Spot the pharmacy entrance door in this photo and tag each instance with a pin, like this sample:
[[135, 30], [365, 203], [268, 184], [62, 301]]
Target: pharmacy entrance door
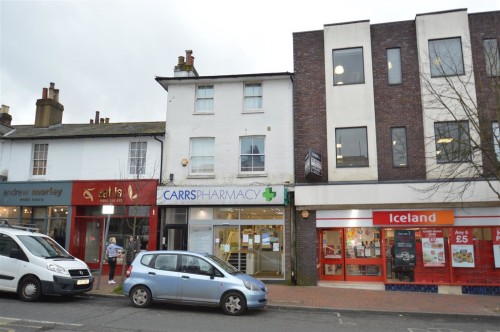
[[330, 255]]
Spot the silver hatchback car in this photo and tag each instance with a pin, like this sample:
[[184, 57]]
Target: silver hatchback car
[[192, 278]]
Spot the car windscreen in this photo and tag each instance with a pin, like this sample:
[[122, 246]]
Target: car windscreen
[[224, 265], [42, 246]]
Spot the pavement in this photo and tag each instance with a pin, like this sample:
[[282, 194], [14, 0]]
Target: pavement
[[329, 297]]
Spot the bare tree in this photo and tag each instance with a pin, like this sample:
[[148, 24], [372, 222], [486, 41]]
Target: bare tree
[[463, 103]]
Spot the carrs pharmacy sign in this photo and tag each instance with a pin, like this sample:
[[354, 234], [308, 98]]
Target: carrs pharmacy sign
[[261, 195]]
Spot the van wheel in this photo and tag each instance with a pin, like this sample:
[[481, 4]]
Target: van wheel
[[234, 304], [140, 297], [30, 289]]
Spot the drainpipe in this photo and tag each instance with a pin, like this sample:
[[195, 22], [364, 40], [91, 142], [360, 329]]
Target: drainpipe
[[161, 157]]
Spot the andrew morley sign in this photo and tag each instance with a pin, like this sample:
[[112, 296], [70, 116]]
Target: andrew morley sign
[[261, 195]]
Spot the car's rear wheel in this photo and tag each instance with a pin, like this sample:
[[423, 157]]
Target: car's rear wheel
[[140, 296], [30, 289], [234, 304]]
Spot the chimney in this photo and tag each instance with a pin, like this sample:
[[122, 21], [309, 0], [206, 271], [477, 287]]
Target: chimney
[[96, 117], [49, 111], [185, 66], [5, 117]]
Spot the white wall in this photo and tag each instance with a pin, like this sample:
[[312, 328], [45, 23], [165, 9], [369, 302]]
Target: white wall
[[81, 159], [226, 124], [350, 105], [438, 26]]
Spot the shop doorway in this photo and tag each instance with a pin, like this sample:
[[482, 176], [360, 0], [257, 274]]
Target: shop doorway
[[330, 254], [89, 233], [350, 254], [175, 238], [227, 246]]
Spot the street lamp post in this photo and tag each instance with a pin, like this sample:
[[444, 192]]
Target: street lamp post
[[109, 210]]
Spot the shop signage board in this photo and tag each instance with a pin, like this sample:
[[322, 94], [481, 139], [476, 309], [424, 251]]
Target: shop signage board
[[496, 246], [413, 218], [404, 248], [123, 192], [433, 247], [35, 193], [258, 195], [462, 248]]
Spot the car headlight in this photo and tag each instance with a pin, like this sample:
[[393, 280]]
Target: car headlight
[[251, 285], [56, 268]]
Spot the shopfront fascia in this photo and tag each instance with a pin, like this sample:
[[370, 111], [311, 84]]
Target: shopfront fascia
[[135, 213], [242, 225], [45, 206], [431, 247]]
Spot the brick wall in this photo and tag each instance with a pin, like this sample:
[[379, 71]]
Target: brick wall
[[398, 105], [309, 101], [306, 246]]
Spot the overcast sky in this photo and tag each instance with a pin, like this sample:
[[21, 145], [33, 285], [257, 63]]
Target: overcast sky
[[104, 55]]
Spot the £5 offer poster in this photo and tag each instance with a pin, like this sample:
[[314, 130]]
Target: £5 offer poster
[[462, 249]]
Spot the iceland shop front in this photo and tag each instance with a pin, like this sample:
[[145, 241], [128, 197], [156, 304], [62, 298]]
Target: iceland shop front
[[428, 248]]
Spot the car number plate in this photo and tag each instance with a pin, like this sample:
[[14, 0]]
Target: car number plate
[[82, 282]]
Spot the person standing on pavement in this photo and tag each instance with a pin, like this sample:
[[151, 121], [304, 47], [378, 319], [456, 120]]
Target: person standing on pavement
[[133, 247], [112, 252]]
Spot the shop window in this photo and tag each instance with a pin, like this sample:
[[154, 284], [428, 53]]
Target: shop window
[[177, 215], [348, 67], [10, 213], [363, 242]]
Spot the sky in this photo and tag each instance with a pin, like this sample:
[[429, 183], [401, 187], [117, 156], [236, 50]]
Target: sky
[[104, 55]]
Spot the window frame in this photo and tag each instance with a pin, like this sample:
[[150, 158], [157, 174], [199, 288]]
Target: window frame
[[256, 97], [340, 64], [391, 66], [440, 71], [404, 144], [203, 99], [488, 64], [453, 149], [496, 138], [39, 157], [259, 156], [137, 158], [338, 148], [201, 170]]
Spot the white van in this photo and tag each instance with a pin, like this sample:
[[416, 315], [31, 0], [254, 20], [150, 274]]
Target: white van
[[33, 264]]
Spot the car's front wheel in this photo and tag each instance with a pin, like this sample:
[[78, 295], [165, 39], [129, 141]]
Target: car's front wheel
[[234, 304], [30, 289], [140, 296]]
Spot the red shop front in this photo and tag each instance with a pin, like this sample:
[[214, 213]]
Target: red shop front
[[135, 213]]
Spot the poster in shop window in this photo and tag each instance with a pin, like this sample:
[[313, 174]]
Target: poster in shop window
[[496, 246], [404, 248], [433, 247], [462, 249]]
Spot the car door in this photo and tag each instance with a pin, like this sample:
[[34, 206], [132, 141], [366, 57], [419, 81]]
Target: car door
[[196, 282], [10, 267], [163, 277]]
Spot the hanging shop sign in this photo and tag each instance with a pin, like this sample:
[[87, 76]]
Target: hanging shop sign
[[433, 247], [413, 218], [312, 164], [404, 248], [462, 248], [261, 195], [496, 246]]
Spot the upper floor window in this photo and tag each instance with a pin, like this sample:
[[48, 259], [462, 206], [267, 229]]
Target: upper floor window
[[394, 75], [137, 162], [452, 141], [202, 155], [496, 139], [253, 96], [399, 150], [204, 99], [40, 154], [492, 57], [352, 147], [348, 67], [252, 154], [445, 57]]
